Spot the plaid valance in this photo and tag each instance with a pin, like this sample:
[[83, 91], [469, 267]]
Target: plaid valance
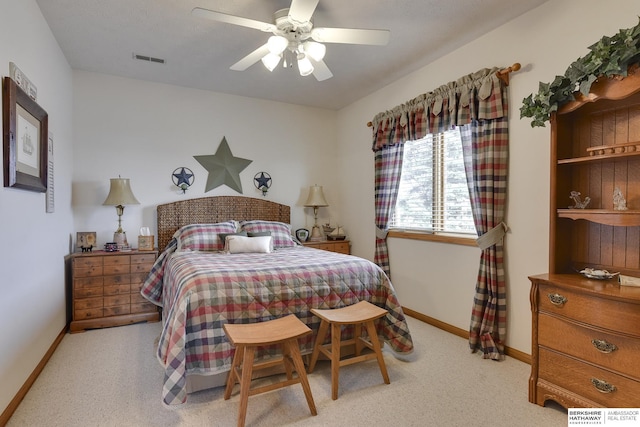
[[476, 96]]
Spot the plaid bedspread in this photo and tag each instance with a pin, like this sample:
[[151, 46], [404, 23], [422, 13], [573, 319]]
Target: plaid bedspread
[[200, 291]]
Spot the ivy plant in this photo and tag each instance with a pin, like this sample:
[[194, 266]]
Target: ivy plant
[[610, 56]]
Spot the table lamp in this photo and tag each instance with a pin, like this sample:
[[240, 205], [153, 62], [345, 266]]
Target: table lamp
[[120, 194], [315, 200]]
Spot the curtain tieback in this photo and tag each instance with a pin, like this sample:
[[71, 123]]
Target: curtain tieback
[[492, 236], [381, 234]]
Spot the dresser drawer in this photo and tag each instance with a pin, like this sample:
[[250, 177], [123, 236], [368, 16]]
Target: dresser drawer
[[87, 271], [114, 300], [576, 376], [116, 269], [117, 279], [141, 268], [143, 259], [577, 341], [88, 292], [92, 313], [117, 289], [87, 262], [602, 312], [87, 282], [117, 310], [117, 260]]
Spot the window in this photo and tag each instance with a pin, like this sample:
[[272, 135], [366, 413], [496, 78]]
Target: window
[[433, 195]]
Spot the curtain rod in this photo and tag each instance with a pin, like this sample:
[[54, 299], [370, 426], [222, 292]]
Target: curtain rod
[[502, 75]]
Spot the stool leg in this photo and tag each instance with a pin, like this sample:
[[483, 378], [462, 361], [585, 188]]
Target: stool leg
[[233, 377], [357, 334], [286, 361], [245, 383], [335, 359], [294, 350], [322, 333], [373, 337]]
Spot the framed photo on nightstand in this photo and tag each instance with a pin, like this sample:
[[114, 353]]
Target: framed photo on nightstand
[[302, 234], [85, 241]]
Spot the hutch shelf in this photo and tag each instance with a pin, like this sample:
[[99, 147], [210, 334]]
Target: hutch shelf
[[586, 332]]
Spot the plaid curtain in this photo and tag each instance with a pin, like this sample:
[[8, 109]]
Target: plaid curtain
[[478, 104], [486, 146], [388, 167]]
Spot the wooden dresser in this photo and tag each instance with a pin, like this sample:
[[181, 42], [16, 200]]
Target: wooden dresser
[[586, 332], [105, 289], [586, 342], [341, 246]]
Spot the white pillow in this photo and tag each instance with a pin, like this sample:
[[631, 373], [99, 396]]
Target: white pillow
[[242, 244]]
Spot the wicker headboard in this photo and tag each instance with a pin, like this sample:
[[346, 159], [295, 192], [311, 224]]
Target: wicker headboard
[[207, 210]]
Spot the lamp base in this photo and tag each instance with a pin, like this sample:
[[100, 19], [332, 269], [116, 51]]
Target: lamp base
[[316, 234], [120, 238]]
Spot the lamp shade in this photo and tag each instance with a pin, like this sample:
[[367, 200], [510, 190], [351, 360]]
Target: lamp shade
[[120, 193], [316, 197]]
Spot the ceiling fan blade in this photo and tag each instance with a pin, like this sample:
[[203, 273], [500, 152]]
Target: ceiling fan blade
[[251, 59], [232, 19], [351, 36], [301, 10], [320, 70]]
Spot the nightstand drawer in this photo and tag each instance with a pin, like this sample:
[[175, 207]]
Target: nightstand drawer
[[143, 259], [87, 271], [117, 289], [87, 262], [117, 279], [117, 260], [117, 310], [114, 300], [88, 282], [88, 292], [105, 289], [93, 313]]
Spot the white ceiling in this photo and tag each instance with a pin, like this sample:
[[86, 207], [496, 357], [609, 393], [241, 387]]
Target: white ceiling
[[102, 36]]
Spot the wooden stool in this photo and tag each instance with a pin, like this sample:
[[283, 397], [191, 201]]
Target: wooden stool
[[246, 338], [357, 314]]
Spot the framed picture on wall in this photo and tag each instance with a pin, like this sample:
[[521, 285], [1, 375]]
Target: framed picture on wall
[[25, 139]]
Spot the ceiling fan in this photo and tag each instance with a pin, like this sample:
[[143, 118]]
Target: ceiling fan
[[296, 39]]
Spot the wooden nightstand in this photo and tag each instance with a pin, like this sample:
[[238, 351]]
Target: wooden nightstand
[[341, 246], [105, 289]]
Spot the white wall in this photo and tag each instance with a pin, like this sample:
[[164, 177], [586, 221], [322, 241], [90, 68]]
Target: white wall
[[144, 131], [34, 243], [439, 279]]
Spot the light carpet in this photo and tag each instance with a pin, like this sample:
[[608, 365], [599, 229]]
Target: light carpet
[[111, 377]]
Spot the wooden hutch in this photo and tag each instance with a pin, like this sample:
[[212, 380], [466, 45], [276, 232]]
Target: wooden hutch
[[586, 332]]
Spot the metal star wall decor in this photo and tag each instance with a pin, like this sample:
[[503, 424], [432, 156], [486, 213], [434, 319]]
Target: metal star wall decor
[[223, 168], [183, 178]]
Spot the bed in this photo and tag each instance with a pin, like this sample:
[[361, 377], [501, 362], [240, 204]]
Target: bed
[[262, 273]]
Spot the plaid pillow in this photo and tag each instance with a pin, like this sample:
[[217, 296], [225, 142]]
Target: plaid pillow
[[203, 237], [280, 232]]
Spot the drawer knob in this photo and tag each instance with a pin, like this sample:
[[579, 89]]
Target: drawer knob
[[603, 386], [557, 299], [604, 346]]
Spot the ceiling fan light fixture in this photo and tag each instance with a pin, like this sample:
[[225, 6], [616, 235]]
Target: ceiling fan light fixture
[[315, 50], [271, 61], [277, 44], [304, 66]]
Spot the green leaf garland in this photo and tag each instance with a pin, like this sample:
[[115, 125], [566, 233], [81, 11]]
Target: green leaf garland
[[610, 56]]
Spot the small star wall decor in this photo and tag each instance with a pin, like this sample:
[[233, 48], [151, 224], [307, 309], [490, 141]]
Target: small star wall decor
[[183, 178], [262, 181], [223, 168]]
